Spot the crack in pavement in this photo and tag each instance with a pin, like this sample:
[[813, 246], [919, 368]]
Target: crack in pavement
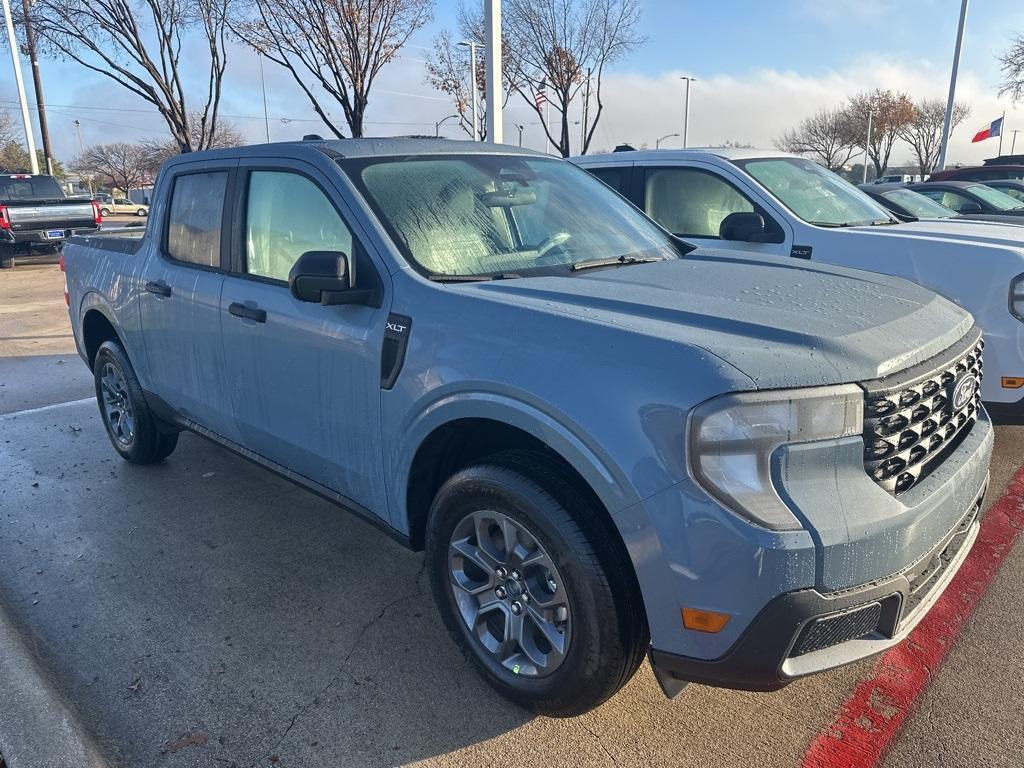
[[599, 740], [344, 663]]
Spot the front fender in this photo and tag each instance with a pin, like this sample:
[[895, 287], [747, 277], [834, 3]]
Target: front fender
[[583, 453]]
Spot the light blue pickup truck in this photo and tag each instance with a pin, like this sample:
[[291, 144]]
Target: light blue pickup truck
[[610, 445]]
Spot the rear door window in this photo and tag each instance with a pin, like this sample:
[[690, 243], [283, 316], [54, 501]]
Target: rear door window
[[194, 222]]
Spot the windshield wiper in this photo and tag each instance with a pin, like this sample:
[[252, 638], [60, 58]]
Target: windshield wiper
[[830, 224], [471, 278], [615, 261], [884, 222]]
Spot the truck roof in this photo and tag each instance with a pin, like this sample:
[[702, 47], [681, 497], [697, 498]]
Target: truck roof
[[690, 153], [347, 148]]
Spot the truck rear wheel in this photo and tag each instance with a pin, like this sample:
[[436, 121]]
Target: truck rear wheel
[[132, 429], [540, 608], [6, 257]]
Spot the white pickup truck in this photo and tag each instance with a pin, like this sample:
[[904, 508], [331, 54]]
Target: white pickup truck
[[768, 203]]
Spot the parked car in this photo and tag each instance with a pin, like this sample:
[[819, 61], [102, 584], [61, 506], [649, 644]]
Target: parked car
[[970, 197], [1012, 187], [35, 213], [768, 204], [896, 178], [983, 173], [750, 471], [122, 205], [910, 206]]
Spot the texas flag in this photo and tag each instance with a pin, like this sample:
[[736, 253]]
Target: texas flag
[[993, 129]]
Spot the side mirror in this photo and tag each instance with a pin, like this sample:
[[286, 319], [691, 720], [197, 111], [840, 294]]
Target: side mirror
[[746, 227], [970, 208], [322, 277]]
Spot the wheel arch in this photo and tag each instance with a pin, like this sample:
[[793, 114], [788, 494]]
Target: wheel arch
[[97, 327]]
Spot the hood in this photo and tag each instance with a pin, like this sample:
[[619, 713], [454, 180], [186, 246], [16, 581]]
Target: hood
[[782, 324], [989, 232]]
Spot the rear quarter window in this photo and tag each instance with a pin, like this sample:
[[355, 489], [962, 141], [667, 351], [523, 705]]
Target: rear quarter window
[[194, 221]]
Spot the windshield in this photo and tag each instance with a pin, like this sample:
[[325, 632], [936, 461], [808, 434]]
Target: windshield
[[813, 193], [998, 200], [918, 205], [23, 187], [497, 215]]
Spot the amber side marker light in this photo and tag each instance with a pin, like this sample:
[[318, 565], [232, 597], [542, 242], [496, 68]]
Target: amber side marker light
[[1013, 382], [704, 621]]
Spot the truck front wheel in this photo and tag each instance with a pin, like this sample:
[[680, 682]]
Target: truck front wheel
[[538, 606], [132, 429], [6, 257]]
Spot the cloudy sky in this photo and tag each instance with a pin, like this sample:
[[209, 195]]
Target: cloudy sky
[[761, 67]]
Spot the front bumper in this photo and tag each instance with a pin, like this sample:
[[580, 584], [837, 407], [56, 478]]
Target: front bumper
[[806, 631]]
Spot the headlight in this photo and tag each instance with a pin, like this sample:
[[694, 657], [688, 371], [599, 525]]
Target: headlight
[[1017, 297], [732, 439]]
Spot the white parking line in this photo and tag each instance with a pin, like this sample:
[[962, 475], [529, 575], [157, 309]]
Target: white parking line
[[44, 408]]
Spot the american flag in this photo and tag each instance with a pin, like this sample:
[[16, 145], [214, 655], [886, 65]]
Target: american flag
[[540, 98]]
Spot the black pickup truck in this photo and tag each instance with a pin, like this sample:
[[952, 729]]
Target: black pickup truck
[[34, 213]]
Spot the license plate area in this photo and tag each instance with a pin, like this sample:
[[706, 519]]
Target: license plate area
[[55, 234]]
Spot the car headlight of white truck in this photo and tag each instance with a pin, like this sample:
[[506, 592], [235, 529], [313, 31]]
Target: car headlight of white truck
[[1017, 297], [733, 437]]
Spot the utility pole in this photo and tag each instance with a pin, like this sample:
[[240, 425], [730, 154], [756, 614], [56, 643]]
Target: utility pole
[[867, 142], [493, 78], [686, 110], [952, 87], [37, 81], [16, 61]]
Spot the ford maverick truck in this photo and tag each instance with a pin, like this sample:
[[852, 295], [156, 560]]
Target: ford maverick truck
[[611, 446]]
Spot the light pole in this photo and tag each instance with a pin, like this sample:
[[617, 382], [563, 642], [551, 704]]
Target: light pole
[[657, 144], [492, 71], [1013, 142], [686, 109], [521, 134], [866, 143], [472, 45], [442, 121], [16, 61], [952, 87], [263, 84]]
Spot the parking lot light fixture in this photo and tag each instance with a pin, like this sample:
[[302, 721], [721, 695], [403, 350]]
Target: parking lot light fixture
[[657, 144]]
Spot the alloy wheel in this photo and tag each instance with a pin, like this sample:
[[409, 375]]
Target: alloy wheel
[[117, 404]]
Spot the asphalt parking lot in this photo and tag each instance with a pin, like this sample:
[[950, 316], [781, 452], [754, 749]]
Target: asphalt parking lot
[[203, 612]]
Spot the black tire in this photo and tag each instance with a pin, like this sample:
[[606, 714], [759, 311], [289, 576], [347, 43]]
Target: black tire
[[104, 212], [148, 441], [6, 257], [141, 212], [608, 635]]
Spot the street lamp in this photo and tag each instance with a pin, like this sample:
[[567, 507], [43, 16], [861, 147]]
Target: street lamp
[[686, 108], [657, 144], [442, 121], [473, 45], [520, 127]]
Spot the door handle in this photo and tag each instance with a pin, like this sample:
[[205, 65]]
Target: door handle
[[249, 313], [159, 287]]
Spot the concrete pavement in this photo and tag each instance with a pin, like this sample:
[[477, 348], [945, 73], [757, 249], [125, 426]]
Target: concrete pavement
[[204, 612]]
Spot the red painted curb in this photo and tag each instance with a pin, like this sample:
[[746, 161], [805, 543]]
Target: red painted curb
[[871, 718]]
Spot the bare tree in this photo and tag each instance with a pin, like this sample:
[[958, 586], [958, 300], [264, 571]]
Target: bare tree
[[891, 112], [448, 72], [139, 44], [156, 151], [567, 45], [7, 130], [339, 45], [1012, 61], [924, 132], [119, 165], [828, 136]]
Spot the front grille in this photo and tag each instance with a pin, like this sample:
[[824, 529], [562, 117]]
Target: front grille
[[910, 426], [833, 630]]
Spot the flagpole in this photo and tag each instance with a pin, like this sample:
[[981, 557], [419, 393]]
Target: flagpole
[[1002, 124], [946, 127]]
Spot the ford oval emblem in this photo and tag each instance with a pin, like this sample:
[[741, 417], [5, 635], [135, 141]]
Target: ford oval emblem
[[963, 391]]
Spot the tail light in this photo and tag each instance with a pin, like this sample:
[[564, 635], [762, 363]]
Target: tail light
[[5, 223], [96, 215], [63, 271]]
